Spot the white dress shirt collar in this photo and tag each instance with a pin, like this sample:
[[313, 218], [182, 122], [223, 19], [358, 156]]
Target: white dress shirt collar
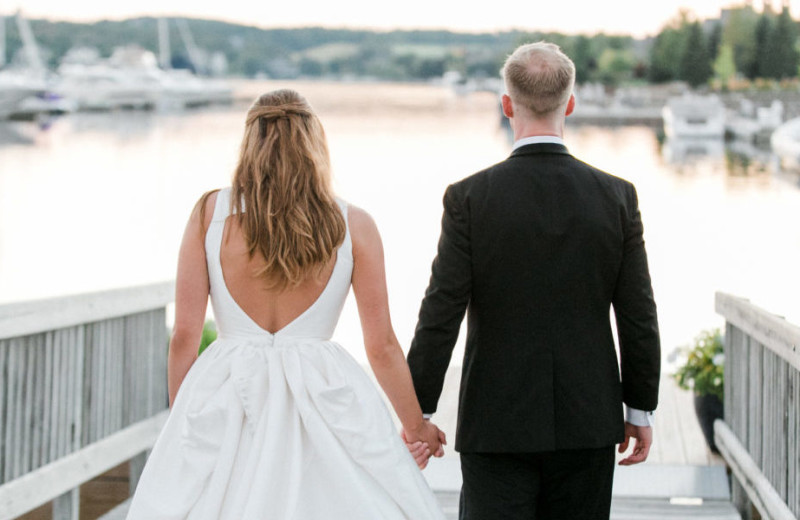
[[538, 139]]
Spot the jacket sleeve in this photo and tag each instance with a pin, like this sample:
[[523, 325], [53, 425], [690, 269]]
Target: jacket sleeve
[[444, 304], [637, 321]]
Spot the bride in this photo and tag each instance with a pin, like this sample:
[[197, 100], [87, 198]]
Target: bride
[[274, 420]]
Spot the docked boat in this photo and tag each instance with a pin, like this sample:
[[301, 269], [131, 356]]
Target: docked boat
[[785, 142], [694, 116], [15, 88]]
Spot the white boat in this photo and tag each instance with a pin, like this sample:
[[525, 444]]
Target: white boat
[[694, 116], [131, 78], [785, 142], [16, 87], [25, 90], [755, 124], [101, 87], [19, 84], [182, 89]]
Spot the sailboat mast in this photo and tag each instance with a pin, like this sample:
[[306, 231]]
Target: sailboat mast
[[188, 41], [29, 43], [164, 58], [2, 41]]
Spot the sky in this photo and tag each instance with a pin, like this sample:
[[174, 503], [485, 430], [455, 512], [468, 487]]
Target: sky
[[635, 17]]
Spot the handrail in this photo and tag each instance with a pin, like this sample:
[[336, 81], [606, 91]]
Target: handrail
[[35, 316], [758, 488], [48, 482], [760, 436], [83, 388], [772, 331]]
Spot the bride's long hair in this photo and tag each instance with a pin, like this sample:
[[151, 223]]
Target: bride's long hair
[[281, 192]]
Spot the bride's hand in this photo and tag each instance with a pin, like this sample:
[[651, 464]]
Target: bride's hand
[[428, 434], [419, 451]]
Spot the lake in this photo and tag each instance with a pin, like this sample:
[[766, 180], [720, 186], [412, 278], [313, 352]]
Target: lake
[[98, 201]]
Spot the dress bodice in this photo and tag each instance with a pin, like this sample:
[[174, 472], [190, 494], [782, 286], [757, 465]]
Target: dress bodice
[[318, 321]]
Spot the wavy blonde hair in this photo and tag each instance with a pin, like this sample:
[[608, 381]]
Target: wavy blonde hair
[[281, 192]]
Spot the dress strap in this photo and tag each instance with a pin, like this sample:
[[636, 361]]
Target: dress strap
[[222, 207], [346, 248]]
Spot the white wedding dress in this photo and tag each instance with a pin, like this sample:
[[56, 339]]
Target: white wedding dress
[[279, 426]]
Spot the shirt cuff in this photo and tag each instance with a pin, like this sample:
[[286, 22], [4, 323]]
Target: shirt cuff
[[638, 417], [427, 416]]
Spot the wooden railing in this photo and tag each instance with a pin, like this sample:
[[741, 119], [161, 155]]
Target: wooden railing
[[82, 390], [760, 436]]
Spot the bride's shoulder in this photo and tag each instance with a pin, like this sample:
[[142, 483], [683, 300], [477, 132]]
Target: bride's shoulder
[[203, 210], [363, 229]]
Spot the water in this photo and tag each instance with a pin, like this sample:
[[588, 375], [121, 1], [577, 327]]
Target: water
[[99, 201]]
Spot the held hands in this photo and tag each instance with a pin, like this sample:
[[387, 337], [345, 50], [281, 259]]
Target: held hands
[[644, 439], [424, 441]]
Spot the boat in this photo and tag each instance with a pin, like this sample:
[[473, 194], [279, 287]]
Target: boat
[[134, 78], [126, 80], [694, 116], [785, 143], [754, 124], [16, 87], [25, 92]]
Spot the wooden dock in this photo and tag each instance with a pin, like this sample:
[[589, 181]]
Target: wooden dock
[[680, 466], [43, 343], [679, 451]]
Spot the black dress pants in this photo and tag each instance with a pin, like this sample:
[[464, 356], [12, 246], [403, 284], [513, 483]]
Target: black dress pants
[[555, 485]]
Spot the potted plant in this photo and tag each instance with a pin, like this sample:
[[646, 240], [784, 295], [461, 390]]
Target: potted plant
[[209, 335], [702, 372]]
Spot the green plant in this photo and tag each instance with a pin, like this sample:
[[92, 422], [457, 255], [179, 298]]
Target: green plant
[[209, 335], [703, 368]]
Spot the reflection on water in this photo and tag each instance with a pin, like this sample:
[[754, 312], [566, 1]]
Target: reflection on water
[[736, 158], [100, 200], [682, 152]]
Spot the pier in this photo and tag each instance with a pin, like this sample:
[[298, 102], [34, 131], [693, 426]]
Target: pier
[[83, 395]]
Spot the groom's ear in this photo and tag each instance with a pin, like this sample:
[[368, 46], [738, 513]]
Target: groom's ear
[[508, 107], [570, 104]]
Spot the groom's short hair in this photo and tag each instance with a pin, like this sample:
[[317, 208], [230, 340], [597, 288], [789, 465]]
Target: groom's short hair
[[540, 77]]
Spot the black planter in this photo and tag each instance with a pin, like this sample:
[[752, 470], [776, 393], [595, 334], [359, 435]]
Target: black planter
[[708, 408]]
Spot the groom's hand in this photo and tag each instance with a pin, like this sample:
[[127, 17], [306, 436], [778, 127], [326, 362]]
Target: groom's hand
[[641, 448]]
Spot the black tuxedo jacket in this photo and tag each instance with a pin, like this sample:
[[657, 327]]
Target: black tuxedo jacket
[[537, 249]]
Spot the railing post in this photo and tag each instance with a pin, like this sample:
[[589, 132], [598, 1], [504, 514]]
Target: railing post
[[67, 506], [136, 465]]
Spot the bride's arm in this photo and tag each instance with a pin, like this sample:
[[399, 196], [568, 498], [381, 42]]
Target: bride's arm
[[383, 350], [191, 296]]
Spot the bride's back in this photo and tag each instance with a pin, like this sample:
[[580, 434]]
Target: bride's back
[[270, 307], [280, 239]]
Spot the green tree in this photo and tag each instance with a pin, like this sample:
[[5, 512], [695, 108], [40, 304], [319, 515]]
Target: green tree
[[765, 64], [725, 66], [665, 55], [784, 46], [739, 33], [695, 65], [714, 40], [615, 66], [584, 58]]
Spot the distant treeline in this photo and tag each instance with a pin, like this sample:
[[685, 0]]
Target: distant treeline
[[741, 44]]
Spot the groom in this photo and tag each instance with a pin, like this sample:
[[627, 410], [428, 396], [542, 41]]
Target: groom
[[536, 250]]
